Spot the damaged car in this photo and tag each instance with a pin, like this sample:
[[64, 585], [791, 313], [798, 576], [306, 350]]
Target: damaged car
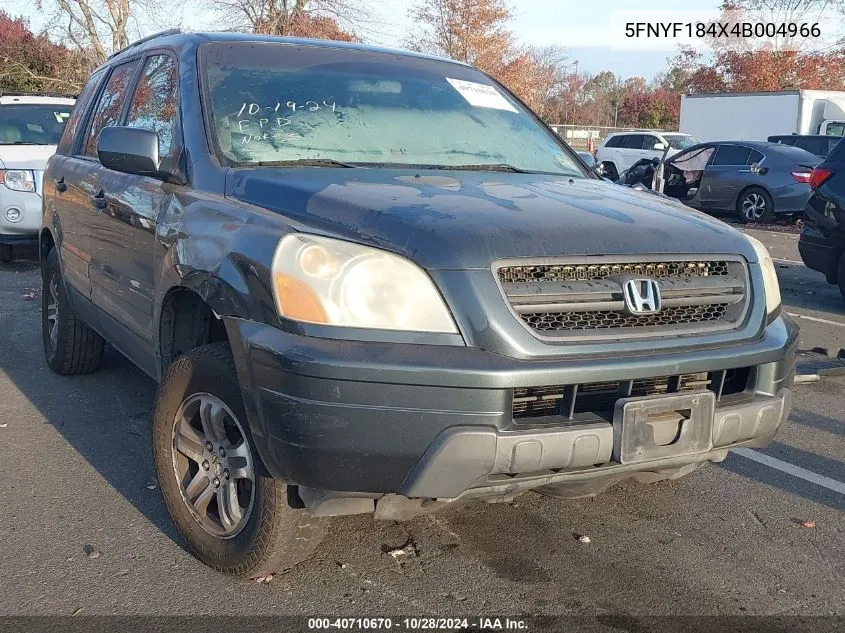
[[754, 181], [369, 281]]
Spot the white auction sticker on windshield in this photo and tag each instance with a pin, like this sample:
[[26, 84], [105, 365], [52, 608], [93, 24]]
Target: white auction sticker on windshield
[[481, 95]]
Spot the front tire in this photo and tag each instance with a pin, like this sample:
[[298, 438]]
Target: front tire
[[234, 516], [755, 206], [71, 347]]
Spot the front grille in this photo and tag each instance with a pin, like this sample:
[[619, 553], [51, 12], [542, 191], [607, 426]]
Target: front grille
[[584, 301], [673, 315], [599, 398], [577, 272]]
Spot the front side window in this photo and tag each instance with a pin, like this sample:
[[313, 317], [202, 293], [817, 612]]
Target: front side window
[[271, 103], [32, 124], [78, 113], [693, 159], [110, 104], [155, 105]]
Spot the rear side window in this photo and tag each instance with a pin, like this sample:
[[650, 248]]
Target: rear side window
[[632, 141], [650, 141], [78, 112], [155, 102], [110, 104], [731, 155]]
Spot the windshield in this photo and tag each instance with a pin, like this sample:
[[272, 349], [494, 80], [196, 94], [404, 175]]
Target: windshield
[[274, 102], [28, 124], [681, 141]]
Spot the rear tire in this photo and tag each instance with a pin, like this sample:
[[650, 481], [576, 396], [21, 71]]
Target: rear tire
[[71, 347], [755, 206], [234, 516], [5, 253]]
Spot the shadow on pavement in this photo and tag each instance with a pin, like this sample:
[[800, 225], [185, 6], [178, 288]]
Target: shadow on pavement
[[820, 422], [788, 483], [104, 416]]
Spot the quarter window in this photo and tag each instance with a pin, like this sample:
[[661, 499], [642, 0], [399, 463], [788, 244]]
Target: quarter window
[[155, 103], [110, 104], [754, 157]]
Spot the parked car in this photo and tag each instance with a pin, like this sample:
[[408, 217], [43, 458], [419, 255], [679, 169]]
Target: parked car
[[816, 144], [30, 127], [822, 241], [755, 180], [588, 158], [620, 150], [370, 281]]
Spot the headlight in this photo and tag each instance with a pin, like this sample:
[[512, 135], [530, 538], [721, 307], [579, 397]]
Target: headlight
[[18, 179], [321, 280], [770, 277]]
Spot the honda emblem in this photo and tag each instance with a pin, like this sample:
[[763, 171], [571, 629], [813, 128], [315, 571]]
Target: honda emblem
[[642, 296]]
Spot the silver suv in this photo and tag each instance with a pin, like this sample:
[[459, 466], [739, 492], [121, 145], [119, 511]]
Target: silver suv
[[30, 128]]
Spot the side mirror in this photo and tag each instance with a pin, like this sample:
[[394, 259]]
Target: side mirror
[[659, 146], [131, 150]]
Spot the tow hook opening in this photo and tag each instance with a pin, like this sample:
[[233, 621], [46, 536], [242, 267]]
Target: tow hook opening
[[666, 427]]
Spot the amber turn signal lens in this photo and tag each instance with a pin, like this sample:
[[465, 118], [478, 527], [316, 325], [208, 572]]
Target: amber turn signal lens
[[297, 301]]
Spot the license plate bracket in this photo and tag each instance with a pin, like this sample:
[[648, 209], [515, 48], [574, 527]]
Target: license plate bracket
[[656, 427]]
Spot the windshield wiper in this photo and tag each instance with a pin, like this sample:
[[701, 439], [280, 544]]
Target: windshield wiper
[[485, 167], [305, 162], [21, 143]]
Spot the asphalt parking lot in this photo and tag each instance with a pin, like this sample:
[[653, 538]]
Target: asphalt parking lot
[[83, 529]]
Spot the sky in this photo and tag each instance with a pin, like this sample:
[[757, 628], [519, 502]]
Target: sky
[[589, 31]]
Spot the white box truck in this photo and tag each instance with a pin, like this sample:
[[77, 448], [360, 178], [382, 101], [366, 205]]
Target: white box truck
[[754, 116]]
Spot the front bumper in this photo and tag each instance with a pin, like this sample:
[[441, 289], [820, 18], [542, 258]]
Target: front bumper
[[436, 421], [25, 231]]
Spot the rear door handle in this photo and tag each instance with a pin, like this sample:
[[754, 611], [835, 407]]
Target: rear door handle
[[99, 200], [61, 187]]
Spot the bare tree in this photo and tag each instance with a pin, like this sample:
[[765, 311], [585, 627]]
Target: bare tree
[[335, 19], [95, 27]]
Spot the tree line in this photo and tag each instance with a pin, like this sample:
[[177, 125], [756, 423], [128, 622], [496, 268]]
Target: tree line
[[80, 34]]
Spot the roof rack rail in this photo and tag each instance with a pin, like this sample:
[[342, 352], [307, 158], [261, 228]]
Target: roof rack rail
[[37, 93], [146, 39]]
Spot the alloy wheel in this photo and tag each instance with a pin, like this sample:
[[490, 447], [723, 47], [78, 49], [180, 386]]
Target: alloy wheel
[[753, 206], [213, 465], [53, 311]]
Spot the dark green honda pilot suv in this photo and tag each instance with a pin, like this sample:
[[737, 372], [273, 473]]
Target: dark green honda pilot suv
[[370, 281]]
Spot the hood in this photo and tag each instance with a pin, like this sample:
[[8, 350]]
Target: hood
[[462, 220], [25, 156]]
